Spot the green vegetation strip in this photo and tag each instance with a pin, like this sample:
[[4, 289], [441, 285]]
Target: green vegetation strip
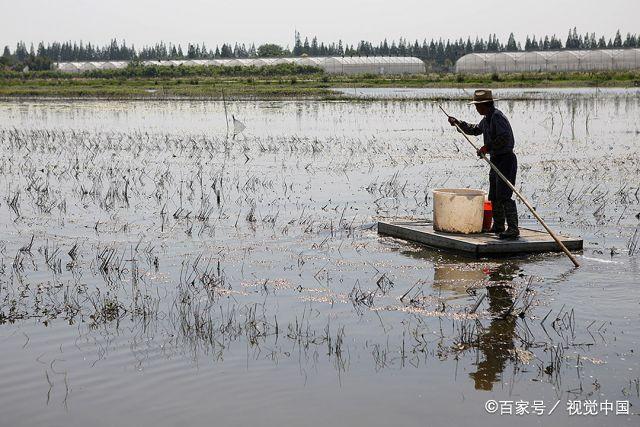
[[280, 81]]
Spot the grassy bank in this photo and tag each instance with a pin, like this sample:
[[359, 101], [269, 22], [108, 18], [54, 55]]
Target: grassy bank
[[266, 83]]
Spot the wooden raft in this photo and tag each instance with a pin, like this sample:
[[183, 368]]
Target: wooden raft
[[530, 241]]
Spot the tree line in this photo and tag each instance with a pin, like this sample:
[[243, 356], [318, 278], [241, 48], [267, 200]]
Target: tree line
[[439, 54]]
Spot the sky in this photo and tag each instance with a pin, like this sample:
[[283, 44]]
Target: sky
[[144, 22]]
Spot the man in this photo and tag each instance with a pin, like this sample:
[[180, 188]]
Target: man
[[498, 143]]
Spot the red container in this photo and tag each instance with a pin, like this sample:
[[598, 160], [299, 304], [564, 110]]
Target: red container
[[488, 216]]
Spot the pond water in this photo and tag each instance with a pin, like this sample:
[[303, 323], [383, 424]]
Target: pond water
[[155, 269], [499, 93]]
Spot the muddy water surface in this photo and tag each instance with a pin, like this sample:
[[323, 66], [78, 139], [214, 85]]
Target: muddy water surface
[[154, 270]]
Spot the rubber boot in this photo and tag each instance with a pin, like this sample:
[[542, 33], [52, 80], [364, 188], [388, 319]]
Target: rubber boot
[[497, 206], [511, 214]]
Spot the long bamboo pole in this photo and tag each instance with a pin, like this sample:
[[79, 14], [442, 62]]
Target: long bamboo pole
[[520, 196]]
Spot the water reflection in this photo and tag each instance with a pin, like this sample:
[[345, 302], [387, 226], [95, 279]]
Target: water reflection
[[456, 277], [496, 343]]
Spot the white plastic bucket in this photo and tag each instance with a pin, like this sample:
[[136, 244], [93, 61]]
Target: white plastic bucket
[[458, 210]]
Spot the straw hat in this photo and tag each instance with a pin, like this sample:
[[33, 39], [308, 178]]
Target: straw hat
[[482, 95]]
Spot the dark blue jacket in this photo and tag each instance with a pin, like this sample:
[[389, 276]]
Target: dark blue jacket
[[496, 132]]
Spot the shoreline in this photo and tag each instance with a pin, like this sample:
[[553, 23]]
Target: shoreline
[[294, 87], [331, 95]]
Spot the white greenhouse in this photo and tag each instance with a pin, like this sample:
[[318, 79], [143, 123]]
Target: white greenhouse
[[331, 64], [550, 61]]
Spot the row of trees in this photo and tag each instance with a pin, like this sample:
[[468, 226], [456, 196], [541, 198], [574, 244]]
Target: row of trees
[[440, 54]]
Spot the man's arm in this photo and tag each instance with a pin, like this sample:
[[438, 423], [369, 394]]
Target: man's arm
[[467, 128], [471, 129]]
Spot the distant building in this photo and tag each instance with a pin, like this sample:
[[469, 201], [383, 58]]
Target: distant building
[[550, 61], [330, 64]]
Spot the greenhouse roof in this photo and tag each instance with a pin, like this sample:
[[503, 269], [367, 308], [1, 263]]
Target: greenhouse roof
[[376, 64], [559, 60]]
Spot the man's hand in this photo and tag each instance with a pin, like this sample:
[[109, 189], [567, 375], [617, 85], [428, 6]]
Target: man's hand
[[453, 121], [482, 151]]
